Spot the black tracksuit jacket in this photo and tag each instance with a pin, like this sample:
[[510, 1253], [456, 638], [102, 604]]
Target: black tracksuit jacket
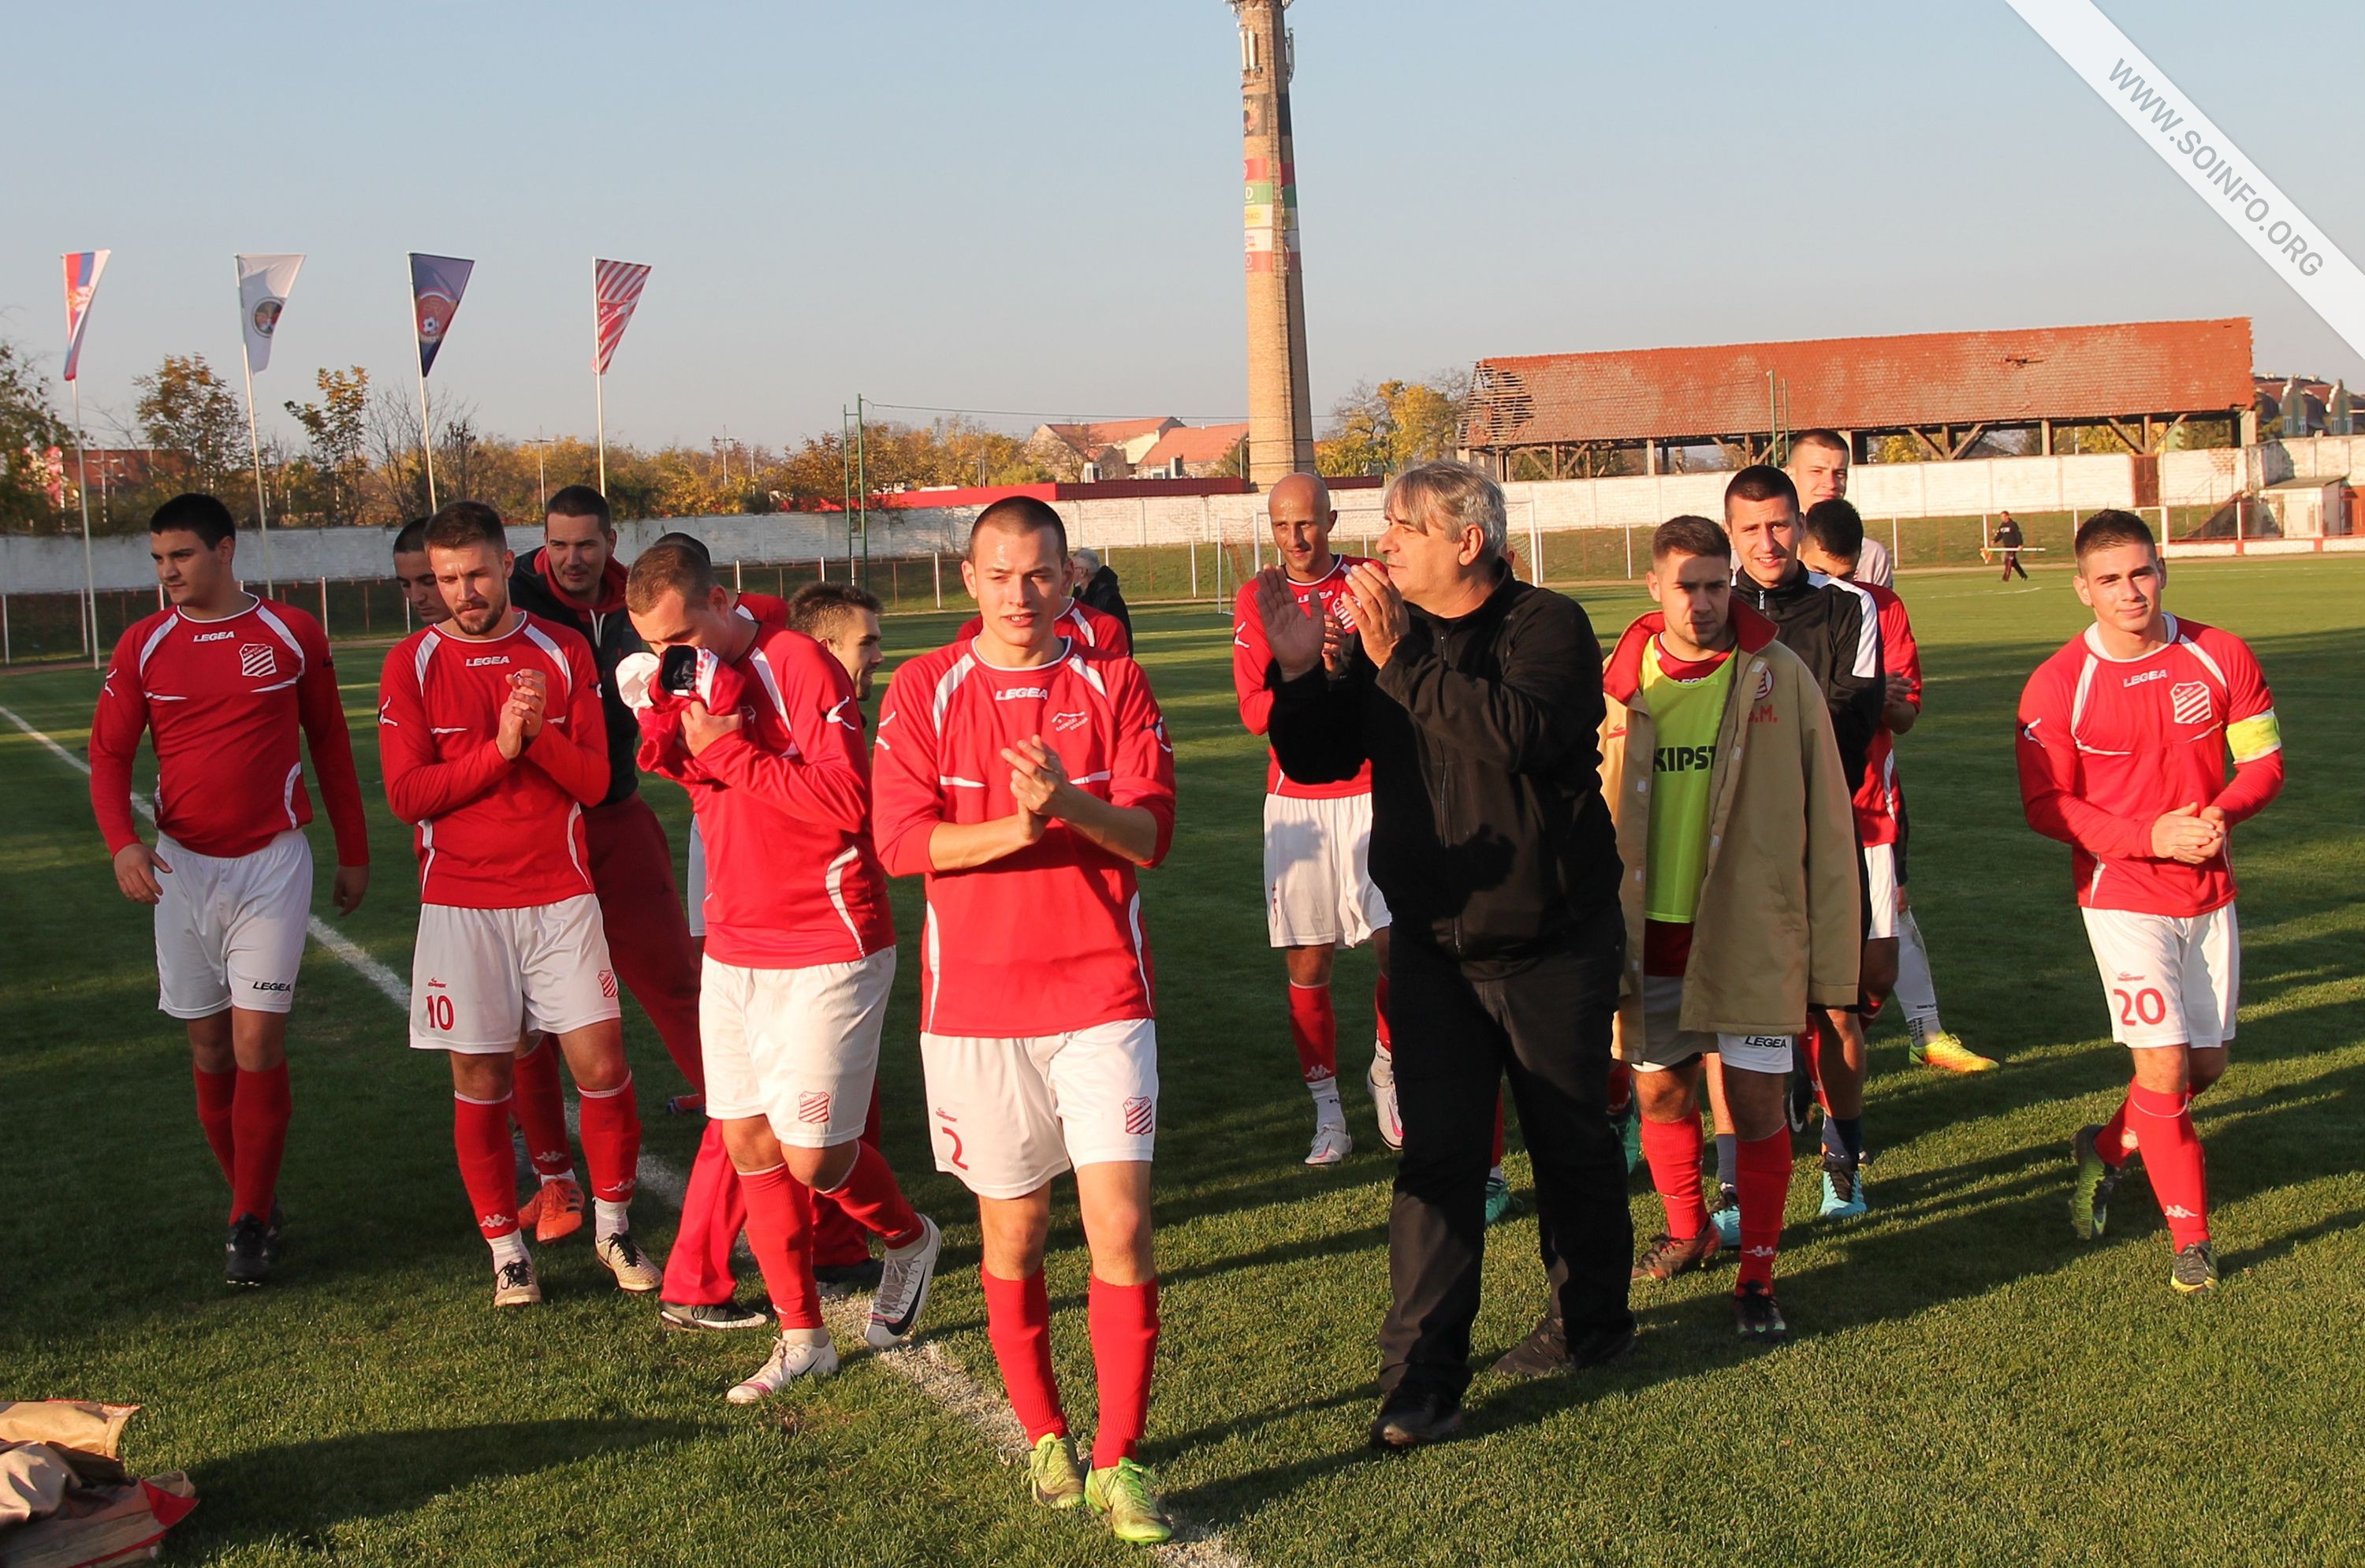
[[1834, 628], [611, 636], [1489, 836]]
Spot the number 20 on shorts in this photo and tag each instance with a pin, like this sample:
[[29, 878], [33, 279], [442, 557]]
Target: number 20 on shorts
[[2145, 1006]]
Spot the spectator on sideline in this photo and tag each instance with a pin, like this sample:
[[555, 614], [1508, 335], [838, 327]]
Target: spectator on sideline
[[2010, 539], [1098, 589]]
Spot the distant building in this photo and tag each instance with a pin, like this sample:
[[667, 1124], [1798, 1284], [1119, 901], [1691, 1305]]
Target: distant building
[[1107, 448], [2304, 405], [1195, 452]]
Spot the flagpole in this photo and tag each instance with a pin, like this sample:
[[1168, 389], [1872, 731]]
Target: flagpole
[[81, 488], [254, 448], [600, 403], [426, 439]]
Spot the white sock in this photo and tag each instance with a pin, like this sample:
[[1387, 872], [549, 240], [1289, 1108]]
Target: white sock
[[608, 1218], [1327, 1113], [1916, 993], [565, 1175], [507, 1249], [1495, 1174]]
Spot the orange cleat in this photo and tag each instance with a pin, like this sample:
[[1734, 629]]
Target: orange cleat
[[555, 1212]]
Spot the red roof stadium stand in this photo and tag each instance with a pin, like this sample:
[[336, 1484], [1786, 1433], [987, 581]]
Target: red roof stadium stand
[[1926, 380]]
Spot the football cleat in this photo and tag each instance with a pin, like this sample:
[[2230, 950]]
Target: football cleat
[[247, 1256], [2195, 1273], [685, 1105], [1128, 1494], [841, 1281], [1630, 1137], [789, 1360], [555, 1211], [514, 1284], [1381, 1082], [904, 1287], [1331, 1145], [1799, 1103], [1948, 1053], [1668, 1256], [720, 1315], [1053, 1477], [1726, 1216], [1755, 1315], [1843, 1190], [635, 1272], [1500, 1204], [2090, 1188]]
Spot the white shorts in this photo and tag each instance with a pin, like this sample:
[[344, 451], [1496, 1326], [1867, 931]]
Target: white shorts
[[1317, 875], [1006, 1115], [1880, 882], [230, 930], [478, 974], [695, 882], [797, 1046], [2170, 981], [1666, 1042]]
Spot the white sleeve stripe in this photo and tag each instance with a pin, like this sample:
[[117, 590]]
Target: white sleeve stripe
[[263, 612], [557, 656]]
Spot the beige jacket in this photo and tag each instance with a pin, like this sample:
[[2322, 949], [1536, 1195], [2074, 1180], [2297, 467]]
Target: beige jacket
[[1780, 922]]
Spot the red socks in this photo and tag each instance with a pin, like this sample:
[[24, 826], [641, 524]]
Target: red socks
[[1314, 1030], [1125, 1345], [216, 1090], [1380, 1009], [871, 1200], [1018, 1322], [480, 1136], [2172, 1152], [610, 1121], [1673, 1151], [780, 1232], [1764, 1188], [259, 1112], [540, 1110]]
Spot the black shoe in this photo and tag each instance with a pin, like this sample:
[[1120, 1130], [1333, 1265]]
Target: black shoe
[[1413, 1416], [835, 1282], [1602, 1347], [1801, 1105], [1756, 1316], [272, 1243], [247, 1256], [722, 1316], [1540, 1354]]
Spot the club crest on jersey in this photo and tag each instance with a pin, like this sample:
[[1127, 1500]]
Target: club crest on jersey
[[1140, 1115], [2188, 702], [812, 1107], [607, 984], [1062, 722], [257, 659], [1764, 683]]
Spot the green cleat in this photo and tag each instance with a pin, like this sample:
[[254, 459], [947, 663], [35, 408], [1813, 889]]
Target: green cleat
[[1500, 1204], [2091, 1188], [1128, 1494], [1053, 1474]]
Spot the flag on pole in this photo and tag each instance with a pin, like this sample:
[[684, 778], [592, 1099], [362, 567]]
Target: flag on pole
[[615, 289], [83, 268], [263, 286], [436, 284]]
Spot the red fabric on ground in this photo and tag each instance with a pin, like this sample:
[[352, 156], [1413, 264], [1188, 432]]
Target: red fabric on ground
[[481, 1137], [1314, 1030], [215, 1094], [2171, 1153], [540, 1108], [780, 1232], [713, 1213], [1018, 1323], [1764, 1188], [1673, 1149], [610, 1123], [259, 1116], [1124, 1321]]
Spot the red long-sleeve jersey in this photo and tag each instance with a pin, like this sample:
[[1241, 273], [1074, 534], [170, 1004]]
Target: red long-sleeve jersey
[[783, 805], [493, 833], [1880, 797], [1252, 655], [224, 699], [764, 609], [2107, 746], [1049, 939]]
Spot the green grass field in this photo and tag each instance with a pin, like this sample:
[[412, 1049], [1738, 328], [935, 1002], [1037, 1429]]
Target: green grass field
[[1966, 1383]]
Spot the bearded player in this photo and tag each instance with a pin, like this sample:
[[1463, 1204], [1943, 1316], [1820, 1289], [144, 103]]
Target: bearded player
[[493, 743], [223, 680], [2124, 740], [1319, 892], [1028, 782]]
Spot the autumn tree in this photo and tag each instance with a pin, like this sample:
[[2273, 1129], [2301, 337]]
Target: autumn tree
[[1388, 427], [29, 432], [187, 410], [337, 427]]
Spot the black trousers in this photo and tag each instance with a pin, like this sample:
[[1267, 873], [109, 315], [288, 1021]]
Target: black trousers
[[1460, 1030]]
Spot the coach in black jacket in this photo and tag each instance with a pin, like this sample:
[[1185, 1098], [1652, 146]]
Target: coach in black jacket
[[1477, 701]]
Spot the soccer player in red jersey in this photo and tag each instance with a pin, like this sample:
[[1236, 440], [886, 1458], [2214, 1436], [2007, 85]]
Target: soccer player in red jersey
[[2123, 739], [223, 680], [1093, 631], [492, 742], [1028, 780], [756, 722], [1319, 892]]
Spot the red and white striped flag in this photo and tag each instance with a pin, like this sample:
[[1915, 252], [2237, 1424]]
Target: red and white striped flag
[[615, 289]]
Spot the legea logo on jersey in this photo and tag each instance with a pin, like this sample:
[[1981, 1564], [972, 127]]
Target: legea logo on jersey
[[257, 659], [1020, 693], [2139, 680], [483, 659], [211, 636]]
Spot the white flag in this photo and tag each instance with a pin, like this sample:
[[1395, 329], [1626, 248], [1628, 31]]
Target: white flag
[[263, 286]]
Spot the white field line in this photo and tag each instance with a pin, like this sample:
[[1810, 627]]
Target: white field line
[[926, 1366]]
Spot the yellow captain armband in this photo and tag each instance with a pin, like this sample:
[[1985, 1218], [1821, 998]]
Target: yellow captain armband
[[2254, 737]]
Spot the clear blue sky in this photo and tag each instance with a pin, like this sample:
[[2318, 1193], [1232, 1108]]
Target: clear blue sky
[[1034, 206]]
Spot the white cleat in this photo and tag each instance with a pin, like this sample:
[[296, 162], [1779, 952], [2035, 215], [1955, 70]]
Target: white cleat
[[635, 1272], [514, 1284], [1331, 1145], [904, 1287], [1381, 1082], [790, 1359]]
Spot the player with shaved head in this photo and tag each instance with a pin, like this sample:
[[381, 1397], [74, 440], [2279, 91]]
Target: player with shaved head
[[1029, 779]]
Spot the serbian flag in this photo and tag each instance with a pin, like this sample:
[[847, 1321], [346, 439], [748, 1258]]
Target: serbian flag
[[615, 289], [436, 284], [83, 268], [263, 286]]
